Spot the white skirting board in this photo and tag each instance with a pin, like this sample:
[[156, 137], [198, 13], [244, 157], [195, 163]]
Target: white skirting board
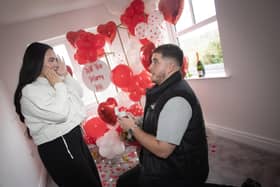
[[266, 144]]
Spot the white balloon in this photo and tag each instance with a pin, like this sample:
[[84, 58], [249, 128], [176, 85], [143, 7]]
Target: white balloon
[[154, 33], [150, 5], [136, 66], [96, 75], [110, 144], [140, 30], [133, 47], [155, 18], [91, 110], [133, 42]]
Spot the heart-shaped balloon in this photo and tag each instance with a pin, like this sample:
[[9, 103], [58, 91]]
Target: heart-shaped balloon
[[108, 30], [146, 54], [106, 111], [171, 9]]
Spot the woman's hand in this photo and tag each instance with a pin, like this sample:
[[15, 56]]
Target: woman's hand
[[61, 70], [51, 75]]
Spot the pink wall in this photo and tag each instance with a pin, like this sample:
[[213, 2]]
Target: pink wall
[[246, 103], [20, 165]]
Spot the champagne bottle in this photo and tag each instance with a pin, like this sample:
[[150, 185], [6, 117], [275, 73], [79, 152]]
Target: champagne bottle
[[199, 66]]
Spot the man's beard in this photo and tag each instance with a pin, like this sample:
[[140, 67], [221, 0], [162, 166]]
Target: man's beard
[[159, 78]]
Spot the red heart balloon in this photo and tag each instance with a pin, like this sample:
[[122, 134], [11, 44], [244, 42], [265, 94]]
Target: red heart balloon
[[108, 30], [171, 9], [69, 70], [106, 111], [146, 54]]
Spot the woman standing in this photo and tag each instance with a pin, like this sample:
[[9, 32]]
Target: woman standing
[[47, 100]]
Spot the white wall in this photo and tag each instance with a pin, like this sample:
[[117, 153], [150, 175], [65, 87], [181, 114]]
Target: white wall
[[17, 153], [247, 102]]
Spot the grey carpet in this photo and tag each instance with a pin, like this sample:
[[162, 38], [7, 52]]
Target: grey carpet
[[231, 163]]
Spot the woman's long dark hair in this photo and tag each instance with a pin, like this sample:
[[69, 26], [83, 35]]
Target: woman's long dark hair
[[31, 68]]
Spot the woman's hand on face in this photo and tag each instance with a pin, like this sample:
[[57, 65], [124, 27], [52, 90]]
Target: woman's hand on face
[[51, 75], [61, 70]]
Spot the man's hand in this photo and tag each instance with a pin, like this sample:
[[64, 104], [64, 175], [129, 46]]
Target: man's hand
[[126, 122]]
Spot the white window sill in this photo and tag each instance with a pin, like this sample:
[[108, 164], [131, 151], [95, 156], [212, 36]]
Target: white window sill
[[221, 75]]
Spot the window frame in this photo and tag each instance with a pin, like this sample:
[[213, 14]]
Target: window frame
[[221, 73]]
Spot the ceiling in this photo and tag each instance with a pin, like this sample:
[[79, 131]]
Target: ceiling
[[14, 11]]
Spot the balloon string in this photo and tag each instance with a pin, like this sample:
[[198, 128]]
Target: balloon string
[[119, 35], [107, 61], [96, 97], [121, 26]]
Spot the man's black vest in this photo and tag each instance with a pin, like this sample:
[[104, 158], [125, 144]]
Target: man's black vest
[[188, 164]]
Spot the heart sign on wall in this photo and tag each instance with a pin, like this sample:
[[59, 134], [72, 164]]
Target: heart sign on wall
[[96, 76]]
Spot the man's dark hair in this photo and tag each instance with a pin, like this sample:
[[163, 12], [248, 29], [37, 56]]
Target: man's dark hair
[[171, 51]]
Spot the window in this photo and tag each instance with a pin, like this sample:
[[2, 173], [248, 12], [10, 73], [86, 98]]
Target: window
[[197, 31]]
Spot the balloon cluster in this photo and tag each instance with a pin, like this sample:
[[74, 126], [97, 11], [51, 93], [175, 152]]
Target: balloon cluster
[[104, 131], [144, 24], [89, 46], [136, 85], [133, 15]]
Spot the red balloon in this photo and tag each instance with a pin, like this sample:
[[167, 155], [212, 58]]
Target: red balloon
[[81, 56], [89, 140], [121, 75], [144, 79], [171, 9], [119, 130], [69, 70], [135, 95], [94, 129], [136, 109], [144, 41], [146, 52], [134, 83], [72, 36], [98, 41], [185, 67], [133, 15], [108, 30], [106, 111]]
